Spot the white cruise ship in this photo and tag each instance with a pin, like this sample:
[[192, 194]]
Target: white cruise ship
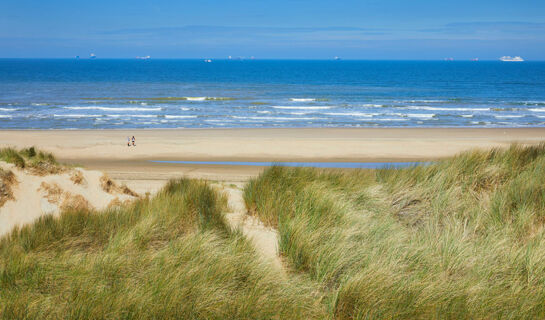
[[511, 59]]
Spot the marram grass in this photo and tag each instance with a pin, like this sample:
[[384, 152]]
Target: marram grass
[[168, 257], [38, 162], [460, 239]]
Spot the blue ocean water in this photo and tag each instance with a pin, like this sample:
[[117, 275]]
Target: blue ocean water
[[101, 93]]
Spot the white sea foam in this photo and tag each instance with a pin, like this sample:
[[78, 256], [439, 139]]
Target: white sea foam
[[179, 117], [277, 118], [299, 113], [265, 111], [302, 99], [217, 120], [113, 109], [389, 119], [303, 108], [132, 115], [7, 109], [421, 115], [426, 101], [206, 98], [534, 103], [4, 116], [39, 104], [509, 116], [373, 105], [354, 114], [537, 109], [467, 115], [77, 115], [185, 109], [444, 109]]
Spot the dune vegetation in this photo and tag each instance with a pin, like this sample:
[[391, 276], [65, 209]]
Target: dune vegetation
[[171, 256], [36, 161], [7, 180], [462, 238]]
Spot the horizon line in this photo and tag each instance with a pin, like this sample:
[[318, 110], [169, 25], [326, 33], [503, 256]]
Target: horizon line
[[445, 59]]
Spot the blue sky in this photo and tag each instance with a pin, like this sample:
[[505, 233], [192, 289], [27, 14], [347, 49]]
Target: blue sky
[[387, 29]]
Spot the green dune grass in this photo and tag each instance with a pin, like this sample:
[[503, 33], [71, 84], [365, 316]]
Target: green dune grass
[[38, 161], [168, 257], [459, 239], [462, 238]]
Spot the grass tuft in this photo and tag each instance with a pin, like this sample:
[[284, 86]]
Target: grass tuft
[[28, 152], [11, 155], [36, 162]]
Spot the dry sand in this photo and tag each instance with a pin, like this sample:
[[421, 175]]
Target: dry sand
[[106, 150], [35, 196], [264, 239]]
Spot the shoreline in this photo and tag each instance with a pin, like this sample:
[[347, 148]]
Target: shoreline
[[107, 150]]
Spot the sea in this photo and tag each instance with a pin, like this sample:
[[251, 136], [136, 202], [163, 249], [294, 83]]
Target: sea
[[132, 93]]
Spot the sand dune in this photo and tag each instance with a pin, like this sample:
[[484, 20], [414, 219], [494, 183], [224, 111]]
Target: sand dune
[[34, 196]]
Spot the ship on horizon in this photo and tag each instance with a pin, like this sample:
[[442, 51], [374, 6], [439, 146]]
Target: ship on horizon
[[512, 59]]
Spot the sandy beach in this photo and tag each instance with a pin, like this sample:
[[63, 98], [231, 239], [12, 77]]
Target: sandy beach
[[107, 150]]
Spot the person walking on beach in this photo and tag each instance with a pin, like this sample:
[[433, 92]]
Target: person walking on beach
[[133, 141], [128, 141]]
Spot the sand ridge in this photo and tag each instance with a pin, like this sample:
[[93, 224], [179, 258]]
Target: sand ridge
[[35, 196]]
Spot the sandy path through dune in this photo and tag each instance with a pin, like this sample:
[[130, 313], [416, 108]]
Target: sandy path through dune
[[264, 239]]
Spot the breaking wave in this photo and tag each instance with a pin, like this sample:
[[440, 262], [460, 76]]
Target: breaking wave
[[302, 99], [444, 109], [303, 108], [179, 117], [113, 109]]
